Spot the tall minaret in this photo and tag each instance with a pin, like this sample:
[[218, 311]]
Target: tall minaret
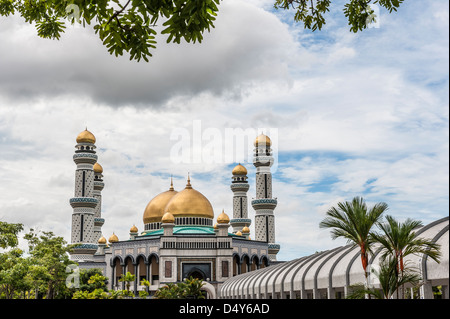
[[239, 186], [264, 204], [98, 187], [84, 202]]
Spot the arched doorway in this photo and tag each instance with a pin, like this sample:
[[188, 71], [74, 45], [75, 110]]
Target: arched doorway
[[245, 264], [197, 274], [117, 271], [153, 270], [254, 263], [236, 263]]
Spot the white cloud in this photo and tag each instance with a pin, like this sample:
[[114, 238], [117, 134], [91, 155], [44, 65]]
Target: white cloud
[[227, 61], [356, 114]]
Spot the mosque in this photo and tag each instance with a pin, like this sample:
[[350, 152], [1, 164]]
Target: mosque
[[181, 236]]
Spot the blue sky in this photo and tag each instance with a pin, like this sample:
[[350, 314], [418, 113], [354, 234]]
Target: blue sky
[[361, 114]]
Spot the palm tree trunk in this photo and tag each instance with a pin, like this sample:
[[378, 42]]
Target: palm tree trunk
[[365, 261], [402, 268]]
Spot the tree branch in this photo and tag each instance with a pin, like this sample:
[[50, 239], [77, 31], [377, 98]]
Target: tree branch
[[116, 14]]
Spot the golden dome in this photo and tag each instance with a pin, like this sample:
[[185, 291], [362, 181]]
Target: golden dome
[[246, 230], [239, 170], [133, 229], [190, 203], [102, 241], [262, 139], [113, 238], [215, 226], [155, 208], [223, 218], [86, 137], [168, 218], [238, 233], [98, 168]]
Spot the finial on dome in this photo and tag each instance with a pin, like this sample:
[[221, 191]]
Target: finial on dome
[[188, 185], [171, 183]]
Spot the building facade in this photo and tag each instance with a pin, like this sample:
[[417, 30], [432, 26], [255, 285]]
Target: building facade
[[181, 237]]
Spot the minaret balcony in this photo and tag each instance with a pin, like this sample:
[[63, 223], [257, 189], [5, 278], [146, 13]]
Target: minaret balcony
[[99, 221], [83, 202], [98, 185], [85, 158], [273, 248], [264, 203], [262, 161], [239, 187], [241, 221]]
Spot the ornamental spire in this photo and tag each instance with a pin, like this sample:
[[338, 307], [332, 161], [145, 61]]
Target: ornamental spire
[[171, 183], [188, 185]]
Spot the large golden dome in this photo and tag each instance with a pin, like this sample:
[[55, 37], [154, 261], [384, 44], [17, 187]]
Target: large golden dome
[[262, 139], [86, 137], [190, 203], [155, 208]]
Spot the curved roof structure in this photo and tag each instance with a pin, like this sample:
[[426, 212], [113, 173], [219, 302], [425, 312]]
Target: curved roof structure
[[328, 274]]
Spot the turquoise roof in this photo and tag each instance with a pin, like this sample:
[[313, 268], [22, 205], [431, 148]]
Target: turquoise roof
[[185, 230], [179, 230]]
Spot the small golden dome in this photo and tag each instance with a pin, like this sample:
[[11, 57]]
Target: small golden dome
[[239, 170], [190, 203], [262, 139], [168, 218], [223, 218], [86, 137], [133, 229], [246, 230], [98, 168], [155, 208], [238, 233], [102, 241], [113, 238], [215, 226]]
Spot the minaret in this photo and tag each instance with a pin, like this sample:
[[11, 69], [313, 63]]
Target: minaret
[[98, 187], [264, 204], [240, 186], [84, 202]]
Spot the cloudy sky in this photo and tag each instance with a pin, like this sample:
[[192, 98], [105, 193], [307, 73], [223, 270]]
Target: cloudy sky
[[350, 115]]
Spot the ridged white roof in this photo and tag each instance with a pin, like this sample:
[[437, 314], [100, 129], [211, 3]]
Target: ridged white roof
[[336, 268]]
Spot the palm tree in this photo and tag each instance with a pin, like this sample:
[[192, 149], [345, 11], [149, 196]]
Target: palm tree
[[400, 240], [354, 222], [389, 281]]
